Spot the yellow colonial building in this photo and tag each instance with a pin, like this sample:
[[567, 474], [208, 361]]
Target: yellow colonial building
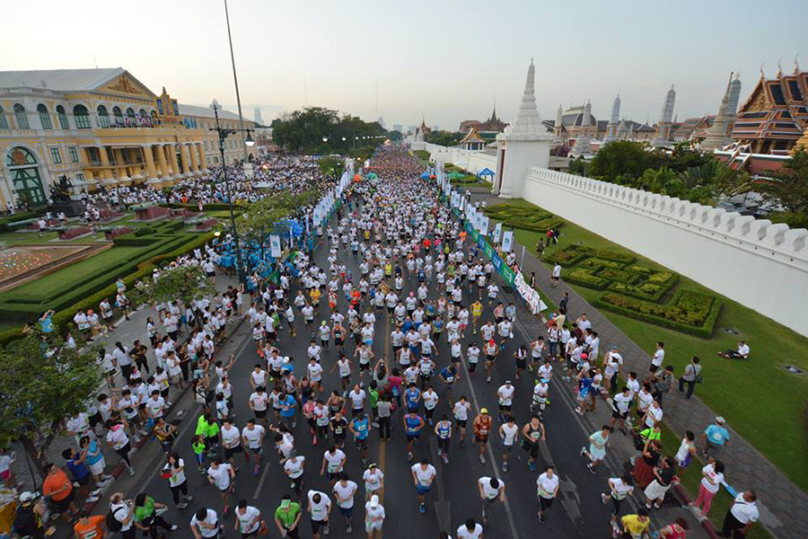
[[100, 127]]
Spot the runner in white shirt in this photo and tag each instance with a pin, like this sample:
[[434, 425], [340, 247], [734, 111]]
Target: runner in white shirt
[[374, 481], [248, 519], [319, 508], [253, 437], [344, 491], [470, 530]]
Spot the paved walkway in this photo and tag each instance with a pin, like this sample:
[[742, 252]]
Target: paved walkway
[[782, 504]]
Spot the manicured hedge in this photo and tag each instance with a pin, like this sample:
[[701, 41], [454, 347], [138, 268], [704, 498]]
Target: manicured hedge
[[618, 275], [594, 262], [567, 257], [688, 311], [140, 270], [205, 207], [532, 219], [586, 278], [647, 291]]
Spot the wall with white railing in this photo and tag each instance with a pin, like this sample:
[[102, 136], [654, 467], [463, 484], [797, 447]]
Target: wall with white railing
[[761, 265], [473, 162]]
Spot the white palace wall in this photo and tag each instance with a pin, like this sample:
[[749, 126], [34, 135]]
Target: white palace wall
[[761, 265]]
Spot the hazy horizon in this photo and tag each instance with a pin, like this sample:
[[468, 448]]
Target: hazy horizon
[[443, 61]]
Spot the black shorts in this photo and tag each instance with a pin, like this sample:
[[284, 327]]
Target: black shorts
[[260, 414], [545, 503], [653, 368], [64, 504], [361, 443], [339, 342], [316, 525], [531, 449], [505, 407], [521, 364], [364, 367], [411, 437], [481, 438], [618, 415], [461, 423], [230, 451]]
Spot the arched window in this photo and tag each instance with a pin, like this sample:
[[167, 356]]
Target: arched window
[[116, 111], [60, 112], [143, 118], [130, 114], [3, 121], [44, 117], [24, 173], [22, 118], [103, 116], [82, 117]]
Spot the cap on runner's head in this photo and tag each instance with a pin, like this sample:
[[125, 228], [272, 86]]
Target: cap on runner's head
[[484, 411], [720, 420], [286, 503], [374, 501], [27, 496], [372, 466], [507, 382], [492, 342], [584, 355]]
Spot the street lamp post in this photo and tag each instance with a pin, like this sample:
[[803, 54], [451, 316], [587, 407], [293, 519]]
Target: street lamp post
[[223, 134], [248, 171]]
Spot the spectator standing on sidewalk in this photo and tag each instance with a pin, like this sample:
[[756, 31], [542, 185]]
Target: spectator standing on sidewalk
[[715, 438], [741, 516], [690, 377]]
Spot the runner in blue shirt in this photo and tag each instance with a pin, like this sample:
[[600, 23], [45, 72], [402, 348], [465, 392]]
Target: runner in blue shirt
[[413, 423], [288, 409], [443, 431], [360, 427], [412, 397]]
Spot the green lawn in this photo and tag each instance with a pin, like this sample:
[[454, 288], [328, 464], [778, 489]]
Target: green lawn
[[759, 399], [51, 283]]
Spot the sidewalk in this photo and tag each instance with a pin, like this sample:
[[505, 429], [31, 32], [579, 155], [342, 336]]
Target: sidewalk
[[125, 331], [781, 503]]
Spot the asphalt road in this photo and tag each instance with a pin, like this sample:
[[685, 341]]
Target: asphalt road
[[577, 513]]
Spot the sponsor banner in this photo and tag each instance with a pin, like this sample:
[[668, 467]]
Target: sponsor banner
[[497, 232], [507, 241], [275, 246]]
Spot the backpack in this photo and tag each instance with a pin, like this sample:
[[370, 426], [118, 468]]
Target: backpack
[[26, 522], [113, 524]]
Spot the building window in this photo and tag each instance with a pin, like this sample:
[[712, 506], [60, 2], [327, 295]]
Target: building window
[[103, 116], [116, 111], [22, 118], [44, 117], [56, 155], [3, 121], [80, 177], [60, 112], [74, 154], [82, 117], [130, 116]]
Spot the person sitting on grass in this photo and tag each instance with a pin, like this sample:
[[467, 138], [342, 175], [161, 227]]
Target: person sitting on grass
[[741, 353]]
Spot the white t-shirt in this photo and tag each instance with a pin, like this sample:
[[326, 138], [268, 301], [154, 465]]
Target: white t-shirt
[[221, 476], [120, 512], [231, 436], [345, 493], [744, 511], [464, 533], [259, 401], [373, 480], [374, 513], [717, 478], [210, 519], [461, 411], [319, 511], [547, 485], [489, 491], [294, 467], [659, 357], [505, 395], [253, 436], [424, 476], [357, 398], [334, 460], [249, 521]]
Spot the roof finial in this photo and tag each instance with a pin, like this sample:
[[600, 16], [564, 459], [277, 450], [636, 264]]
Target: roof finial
[[797, 64], [762, 74], [780, 67]]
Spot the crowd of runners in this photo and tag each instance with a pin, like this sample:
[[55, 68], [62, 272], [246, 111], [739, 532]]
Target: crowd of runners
[[417, 272]]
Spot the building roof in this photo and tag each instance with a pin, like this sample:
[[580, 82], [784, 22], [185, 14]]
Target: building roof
[[207, 112], [63, 80], [472, 137], [574, 116]]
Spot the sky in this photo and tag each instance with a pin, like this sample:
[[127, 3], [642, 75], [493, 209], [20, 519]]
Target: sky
[[443, 60]]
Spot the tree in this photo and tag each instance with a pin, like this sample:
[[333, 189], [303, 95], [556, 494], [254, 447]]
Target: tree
[[789, 187], [395, 136], [305, 131], [43, 383], [443, 138], [626, 158], [183, 283], [331, 166]]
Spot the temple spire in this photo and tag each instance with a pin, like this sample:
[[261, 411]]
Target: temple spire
[[528, 122], [558, 127], [583, 144], [718, 134], [611, 129], [665, 118]]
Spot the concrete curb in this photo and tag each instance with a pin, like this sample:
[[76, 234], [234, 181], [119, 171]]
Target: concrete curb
[[121, 467]]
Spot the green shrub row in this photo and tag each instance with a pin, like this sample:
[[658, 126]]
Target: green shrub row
[[594, 262], [143, 269], [647, 291], [688, 311], [618, 275], [586, 278], [566, 257]]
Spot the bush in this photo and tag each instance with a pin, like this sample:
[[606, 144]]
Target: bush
[[595, 263], [688, 311], [131, 240], [566, 257], [648, 291], [586, 278], [144, 231], [618, 275]]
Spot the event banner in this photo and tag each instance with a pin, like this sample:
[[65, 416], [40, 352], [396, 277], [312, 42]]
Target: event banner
[[507, 241], [275, 246], [484, 220], [497, 232]]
